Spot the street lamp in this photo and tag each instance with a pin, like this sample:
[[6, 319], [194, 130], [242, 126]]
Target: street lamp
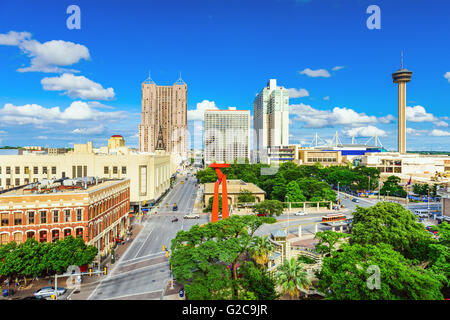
[[339, 195], [289, 208]]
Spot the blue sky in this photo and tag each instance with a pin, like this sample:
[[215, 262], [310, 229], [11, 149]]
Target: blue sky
[[61, 86]]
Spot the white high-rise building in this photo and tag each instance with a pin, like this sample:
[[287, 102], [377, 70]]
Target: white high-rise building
[[270, 118], [227, 136]]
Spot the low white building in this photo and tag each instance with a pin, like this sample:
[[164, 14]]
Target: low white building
[[406, 165]]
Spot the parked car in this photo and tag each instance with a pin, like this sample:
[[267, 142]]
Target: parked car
[[300, 213], [46, 292], [192, 216], [355, 200], [261, 214]]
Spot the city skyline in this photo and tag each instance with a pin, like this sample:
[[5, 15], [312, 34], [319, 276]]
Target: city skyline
[[339, 79]]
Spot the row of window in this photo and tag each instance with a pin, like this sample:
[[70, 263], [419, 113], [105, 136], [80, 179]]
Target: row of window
[[100, 208], [26, 170], [322, 159], [115, 170], [31, 217], [42, 235]]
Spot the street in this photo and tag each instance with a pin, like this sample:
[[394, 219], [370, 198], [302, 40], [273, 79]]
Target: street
[[142, 273]]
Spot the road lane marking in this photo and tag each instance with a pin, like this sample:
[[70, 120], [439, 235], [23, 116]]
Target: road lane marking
[[133, 294]]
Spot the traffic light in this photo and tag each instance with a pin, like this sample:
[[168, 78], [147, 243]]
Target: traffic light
[[90, 271], [164, 248], [167, 254], [105, 270]]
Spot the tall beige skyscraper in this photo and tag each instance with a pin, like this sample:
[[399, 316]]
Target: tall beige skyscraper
[[164, 108], [402, 76]]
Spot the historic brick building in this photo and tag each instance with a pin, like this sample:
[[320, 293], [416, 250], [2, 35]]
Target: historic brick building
[[96, 210]]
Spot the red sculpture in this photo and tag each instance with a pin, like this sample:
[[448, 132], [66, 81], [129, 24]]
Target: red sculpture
[[221, 179]]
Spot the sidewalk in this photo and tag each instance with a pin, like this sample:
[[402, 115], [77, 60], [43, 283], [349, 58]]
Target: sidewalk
[[90, 282]]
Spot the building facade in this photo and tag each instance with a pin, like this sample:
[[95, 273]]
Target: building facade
[[164, 107], [271, 118], [406, 165], [149, 173], [234, 189], [96, 211], [227, 136]]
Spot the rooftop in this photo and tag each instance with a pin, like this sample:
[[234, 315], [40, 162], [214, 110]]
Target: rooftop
[[60, 186], [234, 186]]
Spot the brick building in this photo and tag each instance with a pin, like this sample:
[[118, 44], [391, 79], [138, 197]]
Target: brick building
[[96, 210]]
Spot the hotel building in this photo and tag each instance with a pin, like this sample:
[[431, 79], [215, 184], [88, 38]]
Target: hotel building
[[165, 108], [270, 118], [227, 136]]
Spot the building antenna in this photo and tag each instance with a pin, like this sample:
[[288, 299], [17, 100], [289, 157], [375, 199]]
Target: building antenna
[[402, 60]]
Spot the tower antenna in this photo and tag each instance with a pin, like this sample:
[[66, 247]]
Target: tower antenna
[[402, 60]]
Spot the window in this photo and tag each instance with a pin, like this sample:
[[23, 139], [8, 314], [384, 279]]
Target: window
[[17, 170], [53, 170], [25, 181], [17, 182], [26, 170], [105, 170], [35, 170], [8, 181], [5, 219], [18, 237], [114, 170], [8, 170], [55, 216], [31, 217], [43, 215], [4, 238], [124, 170], [67, 215], [79, 215], [0, 170], [17, 218], [44, 170]]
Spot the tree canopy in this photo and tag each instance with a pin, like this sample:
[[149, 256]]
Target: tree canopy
[[392, 224], [208, 259], [348, 275]]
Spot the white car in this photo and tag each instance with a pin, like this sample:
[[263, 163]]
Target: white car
[[48, 291], [192, 216], [300, 213]]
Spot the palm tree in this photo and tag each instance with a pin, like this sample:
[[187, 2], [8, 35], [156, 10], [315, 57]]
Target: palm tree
[[291, 277], [260, 249]]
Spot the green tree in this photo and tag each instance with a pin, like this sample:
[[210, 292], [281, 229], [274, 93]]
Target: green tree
[[70, 251], [279, 188], [291, 277], [271, 207], [392, 224], [327, 241], [205, 259], [294, 193], [260, 250], [246, 196], [391, 187], [439, 253], [345, 275]]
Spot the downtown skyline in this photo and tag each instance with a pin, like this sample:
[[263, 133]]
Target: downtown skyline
[[60, 86]]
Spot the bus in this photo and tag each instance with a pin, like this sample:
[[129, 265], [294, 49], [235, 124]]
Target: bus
[[334, 217]]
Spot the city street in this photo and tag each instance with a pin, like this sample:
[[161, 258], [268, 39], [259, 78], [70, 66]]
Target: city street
[[142, 273]]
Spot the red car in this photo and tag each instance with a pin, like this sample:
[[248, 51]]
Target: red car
[[261, 214]]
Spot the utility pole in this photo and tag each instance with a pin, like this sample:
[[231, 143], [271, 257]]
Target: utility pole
[[289, 209], [339, 195]]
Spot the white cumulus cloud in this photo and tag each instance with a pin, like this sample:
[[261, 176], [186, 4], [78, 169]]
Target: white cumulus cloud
[[85, 131], [298, 93], [48, 56], [440, 123], [369, 131], [419, 114], [314, 118], [39, 115], [316, 73], [199, 111], [337, 68], [387, 119], [77, 87], [447, 76], [439, 133]]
